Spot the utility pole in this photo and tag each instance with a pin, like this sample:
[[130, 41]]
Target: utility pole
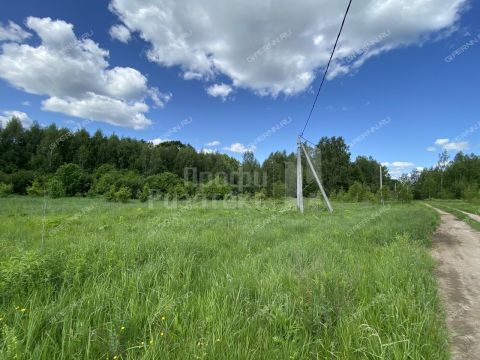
[[381, 185], [299, 176], [324, 194]]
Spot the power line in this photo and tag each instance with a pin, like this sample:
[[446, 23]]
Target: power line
[[326, 69]]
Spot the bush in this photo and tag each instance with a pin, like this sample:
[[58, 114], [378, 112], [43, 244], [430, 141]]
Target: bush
[[55, 188], [73, 178], [278, 191], [216, 189], [405, 193], [359, 193], [178, 192], [145, 194], [163, 183], [5, 189], [110, 194], [37, 188], [471, 193], [123, 194], [260, 196], [21, 180]]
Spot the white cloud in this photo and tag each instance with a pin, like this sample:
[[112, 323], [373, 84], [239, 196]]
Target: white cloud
[[239, 148], [101, 108], [6, 116], [456, 146], [398, 168], [213, 143], [220, 90], [74, 73], [441, 142], [160, 99], [209, 151], [157, 141], [431, 149], [448, 145], [13, 32], [399, 164], [120, 33], [192, 75], [210, 37]]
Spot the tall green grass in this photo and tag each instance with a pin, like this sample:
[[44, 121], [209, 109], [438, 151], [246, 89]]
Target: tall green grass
[[126, 281]]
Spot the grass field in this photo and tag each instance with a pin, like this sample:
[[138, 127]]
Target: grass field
[[119, 281]]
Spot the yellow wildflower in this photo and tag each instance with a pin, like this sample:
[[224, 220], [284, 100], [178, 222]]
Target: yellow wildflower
[[161, 334]]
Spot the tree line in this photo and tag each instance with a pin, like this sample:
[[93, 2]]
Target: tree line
[[62, 162]]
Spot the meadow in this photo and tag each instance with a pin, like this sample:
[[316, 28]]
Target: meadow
[[87, 279]]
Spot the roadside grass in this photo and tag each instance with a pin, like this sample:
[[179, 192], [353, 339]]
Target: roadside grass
[[470, 207], [454, 207], [217, 281]]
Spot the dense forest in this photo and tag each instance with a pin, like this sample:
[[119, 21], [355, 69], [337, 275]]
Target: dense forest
[[59, 162]]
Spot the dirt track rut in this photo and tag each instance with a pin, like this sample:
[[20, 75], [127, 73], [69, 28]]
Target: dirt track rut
[[456, 248]]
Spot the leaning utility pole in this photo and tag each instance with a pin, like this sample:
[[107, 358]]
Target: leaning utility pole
[[299, 177]]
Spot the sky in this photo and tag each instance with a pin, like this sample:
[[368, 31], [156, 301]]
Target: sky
[[232, 76]]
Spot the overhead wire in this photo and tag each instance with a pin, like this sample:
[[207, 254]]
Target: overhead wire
[[326, 69]]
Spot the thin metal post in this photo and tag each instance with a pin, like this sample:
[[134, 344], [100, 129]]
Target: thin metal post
[[299, 177], [381, 185], [324, 194]]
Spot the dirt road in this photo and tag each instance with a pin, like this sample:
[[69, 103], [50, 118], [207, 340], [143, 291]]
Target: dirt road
[[456, 248], [471, 216]]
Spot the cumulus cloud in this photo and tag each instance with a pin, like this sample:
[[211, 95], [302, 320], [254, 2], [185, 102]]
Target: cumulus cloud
[[120, 33], [446, 144], [220, 90], [240, 148], [13, 32], [157, 141], [212, 143], [399, 164], [210, 38], [398, 168], [75, 74], [6, 116], [208, 151], [441, 142], [456, 146]]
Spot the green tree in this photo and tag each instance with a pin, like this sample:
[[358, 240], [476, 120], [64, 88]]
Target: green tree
[[73, 178]]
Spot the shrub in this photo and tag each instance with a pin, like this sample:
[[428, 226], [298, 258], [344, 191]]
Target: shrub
[[178, 192], [55, 188], [405, 193], [278, 191], [164, 183], [37, 188], [123, 194], [110, 194], [5, 189], [73, 178], [145, 194], [216, 189], [260, 196], [471, 193], [21, 180]]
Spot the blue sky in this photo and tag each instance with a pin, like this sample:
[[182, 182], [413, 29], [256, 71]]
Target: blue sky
[[251, 70]]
